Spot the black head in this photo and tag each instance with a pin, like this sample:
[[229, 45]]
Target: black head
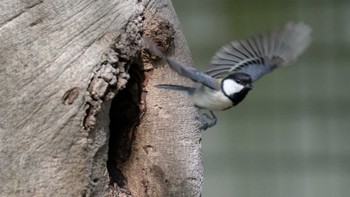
[[236, 86], [241, 78]]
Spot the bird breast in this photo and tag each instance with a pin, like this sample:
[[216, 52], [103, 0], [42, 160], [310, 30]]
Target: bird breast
[[210, 99]]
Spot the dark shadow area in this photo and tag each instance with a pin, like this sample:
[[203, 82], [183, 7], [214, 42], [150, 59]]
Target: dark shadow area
[[124, 117]]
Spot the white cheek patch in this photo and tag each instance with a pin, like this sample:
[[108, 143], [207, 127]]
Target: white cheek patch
[[230, 87]]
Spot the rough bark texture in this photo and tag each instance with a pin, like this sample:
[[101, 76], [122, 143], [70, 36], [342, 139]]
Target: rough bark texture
[[67, 68]]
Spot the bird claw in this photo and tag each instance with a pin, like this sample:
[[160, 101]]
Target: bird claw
[[207, 120]]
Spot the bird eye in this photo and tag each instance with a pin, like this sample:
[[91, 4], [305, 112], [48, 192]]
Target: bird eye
[[239, 81]]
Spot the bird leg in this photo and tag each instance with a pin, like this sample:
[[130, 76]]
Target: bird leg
[[207, 120]]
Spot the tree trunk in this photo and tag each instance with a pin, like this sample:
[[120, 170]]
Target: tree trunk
[[77, 90]]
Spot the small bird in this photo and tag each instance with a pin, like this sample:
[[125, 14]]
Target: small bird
[[236, 66]]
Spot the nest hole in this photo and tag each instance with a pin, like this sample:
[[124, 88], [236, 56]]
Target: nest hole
[[125, 116]]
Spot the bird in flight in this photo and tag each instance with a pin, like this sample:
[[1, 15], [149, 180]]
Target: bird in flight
[[236, 66]]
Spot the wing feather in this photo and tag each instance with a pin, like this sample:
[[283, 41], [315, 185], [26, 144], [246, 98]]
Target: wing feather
[[262, 53]]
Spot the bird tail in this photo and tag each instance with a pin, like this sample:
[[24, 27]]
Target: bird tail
[[184, 89]]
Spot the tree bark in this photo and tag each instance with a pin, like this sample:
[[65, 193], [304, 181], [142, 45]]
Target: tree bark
[[77, 90]]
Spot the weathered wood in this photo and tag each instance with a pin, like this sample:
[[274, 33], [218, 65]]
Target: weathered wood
[[61, 63]]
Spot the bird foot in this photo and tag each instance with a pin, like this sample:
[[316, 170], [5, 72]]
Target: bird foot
[[207, 120]]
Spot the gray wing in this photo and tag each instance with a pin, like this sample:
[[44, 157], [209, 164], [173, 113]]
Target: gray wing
[[260, 54], [182, 69]]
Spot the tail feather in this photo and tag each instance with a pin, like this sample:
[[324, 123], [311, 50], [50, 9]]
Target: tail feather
[[185, 89]]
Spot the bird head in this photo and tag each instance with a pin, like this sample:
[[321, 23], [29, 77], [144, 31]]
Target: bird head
[[236, 86]]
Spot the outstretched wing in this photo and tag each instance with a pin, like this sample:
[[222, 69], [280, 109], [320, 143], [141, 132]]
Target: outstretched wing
[[182, 69], [262, 53]]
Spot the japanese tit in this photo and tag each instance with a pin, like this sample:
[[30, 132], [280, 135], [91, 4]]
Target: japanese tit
[[237, 65]]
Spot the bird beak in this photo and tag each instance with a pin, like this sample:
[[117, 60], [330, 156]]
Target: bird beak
[[249, 86]]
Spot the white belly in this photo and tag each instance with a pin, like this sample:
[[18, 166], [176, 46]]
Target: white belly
[[213, 101]]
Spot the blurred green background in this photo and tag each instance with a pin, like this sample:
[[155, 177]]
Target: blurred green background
[[291, 135]]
